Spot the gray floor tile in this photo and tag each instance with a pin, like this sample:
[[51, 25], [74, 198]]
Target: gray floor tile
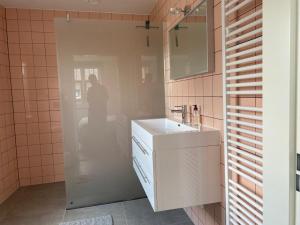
[[45, 205], [42, 219], [140, 212]]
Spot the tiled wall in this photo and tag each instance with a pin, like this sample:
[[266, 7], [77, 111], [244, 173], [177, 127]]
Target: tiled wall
[[32, 51], [31, 46], [8, 161], [205, 91]]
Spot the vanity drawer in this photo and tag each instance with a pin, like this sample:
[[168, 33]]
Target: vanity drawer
[[144, 179], [144, 156]]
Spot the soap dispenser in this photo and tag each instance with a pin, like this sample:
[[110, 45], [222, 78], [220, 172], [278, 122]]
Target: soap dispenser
[[196, 116]]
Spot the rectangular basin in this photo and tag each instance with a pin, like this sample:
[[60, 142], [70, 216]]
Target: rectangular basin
[[164, 133]]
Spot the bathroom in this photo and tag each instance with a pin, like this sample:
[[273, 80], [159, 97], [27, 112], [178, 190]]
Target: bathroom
[[149, 112]]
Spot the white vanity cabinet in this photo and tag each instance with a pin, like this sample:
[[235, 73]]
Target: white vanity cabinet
[[177, 165]]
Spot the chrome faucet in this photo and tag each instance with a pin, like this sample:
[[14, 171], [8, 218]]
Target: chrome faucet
[[182, 110]]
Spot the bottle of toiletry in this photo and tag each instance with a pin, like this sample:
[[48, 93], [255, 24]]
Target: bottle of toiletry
[[196, 116], [199, 117]]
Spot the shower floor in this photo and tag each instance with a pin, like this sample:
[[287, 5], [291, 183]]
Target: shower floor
[[45, 205]]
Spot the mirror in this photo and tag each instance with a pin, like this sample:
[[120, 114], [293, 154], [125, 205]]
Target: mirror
[[191, 43]]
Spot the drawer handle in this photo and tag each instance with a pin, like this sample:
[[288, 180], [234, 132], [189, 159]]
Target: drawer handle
[[145, 178], [140, 145]]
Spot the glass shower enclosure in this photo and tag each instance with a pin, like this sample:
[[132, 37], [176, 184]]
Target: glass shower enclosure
[[110, 73]]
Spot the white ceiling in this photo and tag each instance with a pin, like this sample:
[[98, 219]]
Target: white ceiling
[[117, 6]]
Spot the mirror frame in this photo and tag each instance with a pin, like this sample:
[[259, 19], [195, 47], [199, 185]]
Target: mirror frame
[[210, 40]]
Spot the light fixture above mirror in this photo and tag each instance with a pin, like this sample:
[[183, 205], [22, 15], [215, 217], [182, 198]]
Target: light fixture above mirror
[[178, 11], [93, 2]]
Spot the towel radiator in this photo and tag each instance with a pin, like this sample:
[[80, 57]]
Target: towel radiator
[[243, 121]]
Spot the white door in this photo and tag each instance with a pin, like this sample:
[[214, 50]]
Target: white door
[[298, 145], [298, 132], [298, 122]]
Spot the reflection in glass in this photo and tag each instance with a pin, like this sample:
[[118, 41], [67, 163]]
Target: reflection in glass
[[108, 76]]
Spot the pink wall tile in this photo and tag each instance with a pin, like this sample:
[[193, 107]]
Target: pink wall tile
[[199, 87], [208, 106], [37, 26], [24, 25], [48, 179], [207, 86], [39, 49], [34, 150], [11, 14], [218, 107], [218, 39], [217, 16], [23, 14], [24, 173], [43, 106], [12, 25], [48, 14], [218, 62], [50, 49], [217, 85], [35, 161], [48, 26], [36, 14], [35, 172], [48, 170], [42, 94], [25, 37], [38, 37], [46, 149], [44, 127], [26, 49], [47, 159], [39, 60], [23, 162]]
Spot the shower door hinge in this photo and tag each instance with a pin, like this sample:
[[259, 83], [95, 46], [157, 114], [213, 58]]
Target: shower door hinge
[[298, 173]]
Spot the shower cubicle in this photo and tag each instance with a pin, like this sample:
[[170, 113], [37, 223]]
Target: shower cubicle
[[110, 72]]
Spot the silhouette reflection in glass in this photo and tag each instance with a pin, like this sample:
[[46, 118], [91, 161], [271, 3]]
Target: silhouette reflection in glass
[[101, 160], [97, 98], [149, 92]]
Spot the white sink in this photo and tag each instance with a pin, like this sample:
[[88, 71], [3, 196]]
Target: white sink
[[177, 165], [170, 134], [164, 126]]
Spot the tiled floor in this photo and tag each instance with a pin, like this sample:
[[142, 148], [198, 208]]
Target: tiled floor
[[45, 205]]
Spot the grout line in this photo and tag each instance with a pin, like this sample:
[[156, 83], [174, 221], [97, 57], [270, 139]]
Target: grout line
[[12, 99], [64, 215], [124, 212]]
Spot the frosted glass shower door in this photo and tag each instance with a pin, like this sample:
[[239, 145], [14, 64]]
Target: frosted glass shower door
[[108, 76]]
